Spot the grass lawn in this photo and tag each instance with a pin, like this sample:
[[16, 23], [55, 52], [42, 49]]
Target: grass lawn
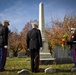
[[13, 65]]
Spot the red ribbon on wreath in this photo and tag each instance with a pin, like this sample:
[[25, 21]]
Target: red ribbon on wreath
[[64, 39]]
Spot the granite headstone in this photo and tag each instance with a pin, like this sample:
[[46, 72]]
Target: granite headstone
[[62, 55]]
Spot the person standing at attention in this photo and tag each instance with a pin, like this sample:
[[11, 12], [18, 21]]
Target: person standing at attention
[[72, 43], [3, 44]]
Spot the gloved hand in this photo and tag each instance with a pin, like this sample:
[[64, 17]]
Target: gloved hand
[[28, 49], [5, 46], [40, 48]]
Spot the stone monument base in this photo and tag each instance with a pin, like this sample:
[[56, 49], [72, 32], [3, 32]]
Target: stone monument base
[[47, 61], [46, 58], [45, 55]]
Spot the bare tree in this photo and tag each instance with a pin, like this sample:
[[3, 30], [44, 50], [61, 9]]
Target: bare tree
[[58, 29]]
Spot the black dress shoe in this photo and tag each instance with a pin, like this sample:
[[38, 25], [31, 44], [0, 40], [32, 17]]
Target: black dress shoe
[[36, 71], [2, 70]]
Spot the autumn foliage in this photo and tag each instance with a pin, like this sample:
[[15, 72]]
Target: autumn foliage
[[58, 29], [53, 34]]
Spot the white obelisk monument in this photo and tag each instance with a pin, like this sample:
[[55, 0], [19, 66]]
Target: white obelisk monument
[[45, 52], [42, 26], [41, 19]]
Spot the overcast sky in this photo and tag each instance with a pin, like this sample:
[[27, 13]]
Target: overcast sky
[[19, 12]]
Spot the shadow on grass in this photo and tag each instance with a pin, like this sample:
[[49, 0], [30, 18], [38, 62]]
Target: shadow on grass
[[15, 70], [41, 70], [58, 70], [64, 71], [61, 70]]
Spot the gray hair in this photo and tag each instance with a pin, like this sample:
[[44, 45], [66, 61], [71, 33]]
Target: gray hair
[[35, 24]]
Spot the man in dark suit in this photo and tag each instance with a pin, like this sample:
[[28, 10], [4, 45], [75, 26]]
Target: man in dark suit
[[34, 43], [3, 44]]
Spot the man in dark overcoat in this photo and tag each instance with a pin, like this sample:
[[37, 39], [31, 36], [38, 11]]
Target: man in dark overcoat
[[34, 43], [3, 44]]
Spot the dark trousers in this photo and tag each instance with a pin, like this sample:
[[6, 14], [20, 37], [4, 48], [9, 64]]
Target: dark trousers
[[34, 60], [3, 54], [74, 56]]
